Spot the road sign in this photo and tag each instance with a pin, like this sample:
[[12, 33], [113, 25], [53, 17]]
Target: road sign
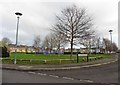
[[82, 54]]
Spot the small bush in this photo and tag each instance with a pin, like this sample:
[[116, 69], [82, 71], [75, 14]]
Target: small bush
[[4, 52]]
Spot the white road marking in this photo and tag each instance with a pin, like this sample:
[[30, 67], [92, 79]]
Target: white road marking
[[32, 72], [42, 74], [86, 81], [54, 76], [68, 78]]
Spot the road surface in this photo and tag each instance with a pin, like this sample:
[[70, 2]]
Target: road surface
[[101, 74]]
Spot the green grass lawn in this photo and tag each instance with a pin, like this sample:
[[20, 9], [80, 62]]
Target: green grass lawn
[[103, 55], [40, 56], [50, 58]]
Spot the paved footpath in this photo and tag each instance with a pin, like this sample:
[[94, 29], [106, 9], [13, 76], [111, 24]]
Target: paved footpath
[[58, 67]]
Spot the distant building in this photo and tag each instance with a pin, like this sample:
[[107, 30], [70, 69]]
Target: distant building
[[69, 50], [20, 48], [86, 50], [23, 48], [30, 49]]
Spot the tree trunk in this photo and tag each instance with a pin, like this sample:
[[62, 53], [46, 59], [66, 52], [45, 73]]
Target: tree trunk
[[71, 48], [72, 41]]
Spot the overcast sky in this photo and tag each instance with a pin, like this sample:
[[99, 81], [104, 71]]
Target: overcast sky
[[119, 25], [39, 15]]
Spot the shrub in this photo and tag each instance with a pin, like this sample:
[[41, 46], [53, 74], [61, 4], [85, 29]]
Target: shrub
[[4, 52]]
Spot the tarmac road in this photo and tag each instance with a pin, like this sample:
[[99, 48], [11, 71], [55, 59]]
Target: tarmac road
[[12, 76], [101, 74]]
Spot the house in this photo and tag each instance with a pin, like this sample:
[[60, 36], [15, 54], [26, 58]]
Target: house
[[30, 49], [92, 50], [19, 48], [86, 50], [74, 50]]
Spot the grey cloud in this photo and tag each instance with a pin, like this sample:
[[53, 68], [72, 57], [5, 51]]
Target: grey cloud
[[38, 17]]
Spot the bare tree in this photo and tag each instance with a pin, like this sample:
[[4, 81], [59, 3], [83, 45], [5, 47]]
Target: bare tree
[[108, 46], [97, 44], [88, 41], [49, 41], [114, 46], [60, 40], [37, 42], [73, 24], [54, 40], [6, 41], [46, 42]]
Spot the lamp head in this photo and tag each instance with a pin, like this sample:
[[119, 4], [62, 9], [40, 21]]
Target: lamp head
[[18, 14], [110, 30]]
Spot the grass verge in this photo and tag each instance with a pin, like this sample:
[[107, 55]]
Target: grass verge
[[52, 59]]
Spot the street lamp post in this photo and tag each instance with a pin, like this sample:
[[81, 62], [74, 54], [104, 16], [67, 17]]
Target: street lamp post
[[18, 16], [111, 38]]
